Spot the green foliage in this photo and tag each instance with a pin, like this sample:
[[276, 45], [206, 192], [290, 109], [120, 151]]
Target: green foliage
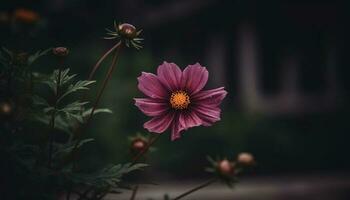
[[43, 156], [67, 148], [67, 113], [37, 55], [108, 177]]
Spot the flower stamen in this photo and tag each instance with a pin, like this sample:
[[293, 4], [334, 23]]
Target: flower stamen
[[179, 100]]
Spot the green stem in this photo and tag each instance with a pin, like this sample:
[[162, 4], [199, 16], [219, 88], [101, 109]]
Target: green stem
[[138, 156], [53, 116], [99, 95], [203, 185], [93, 71], [134, 191], [68, 195], [102, 196], [86, 193], [9, 80], [104, 84], [142, 152]]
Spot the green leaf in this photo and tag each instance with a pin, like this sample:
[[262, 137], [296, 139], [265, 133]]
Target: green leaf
[[8, 52], [80, 85], [53, 79], [39, 101], [73, 111], [87, 112], [49, 109], [75, 106], [65, 77], [67, 148], [60, 123], [38, 54], [109, 176]]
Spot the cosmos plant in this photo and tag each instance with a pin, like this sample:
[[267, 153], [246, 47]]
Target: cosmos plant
[[175, 100]]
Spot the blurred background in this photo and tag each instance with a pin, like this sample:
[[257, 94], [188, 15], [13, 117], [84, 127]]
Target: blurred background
[[284, 64]]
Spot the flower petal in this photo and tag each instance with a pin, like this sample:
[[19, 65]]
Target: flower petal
[[152, 107], [160, 123], [189, 119], [169, 75], [183, 121], [151, 86], [175, 129], [208, 115], [194, 78], [211, 98]]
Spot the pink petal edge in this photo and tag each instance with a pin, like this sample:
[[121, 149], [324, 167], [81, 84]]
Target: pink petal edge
[[152, 107], [194, 78], [160, 123], [170, 75], [150, 85]]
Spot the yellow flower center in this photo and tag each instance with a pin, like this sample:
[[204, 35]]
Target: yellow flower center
[[179, 100]]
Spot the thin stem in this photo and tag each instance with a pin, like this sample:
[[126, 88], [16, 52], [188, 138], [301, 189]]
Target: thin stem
[[99, 95], [104, 84], [134, 191], [93, 71], [86, 193], [203, 185], [68, 195], [9, 80], [142, 152], [53, 116], [102, 195]]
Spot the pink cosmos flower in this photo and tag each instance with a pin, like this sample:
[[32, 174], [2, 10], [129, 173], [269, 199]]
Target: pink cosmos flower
[[176, 99]]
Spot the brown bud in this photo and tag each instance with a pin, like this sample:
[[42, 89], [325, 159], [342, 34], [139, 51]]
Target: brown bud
[[127, 30], [60, 51], [138, 144], [226, 167], [246, 159]]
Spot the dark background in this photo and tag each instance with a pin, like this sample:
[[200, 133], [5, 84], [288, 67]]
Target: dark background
[[285, 65]]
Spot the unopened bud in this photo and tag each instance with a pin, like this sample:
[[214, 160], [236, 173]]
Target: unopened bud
[[246, 159], [226, 167], [138, 145], [127, 30], [60, 51]]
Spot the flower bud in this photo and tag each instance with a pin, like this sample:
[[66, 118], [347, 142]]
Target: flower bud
[[60, 51], [138, 145], [246, 159], [226, 167], [127, 30]]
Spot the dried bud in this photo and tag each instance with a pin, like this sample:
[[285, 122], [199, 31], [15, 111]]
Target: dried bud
[[127, 30], [138, 145], [5, 108], [60, 51], [226, 167], [246, 159]]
